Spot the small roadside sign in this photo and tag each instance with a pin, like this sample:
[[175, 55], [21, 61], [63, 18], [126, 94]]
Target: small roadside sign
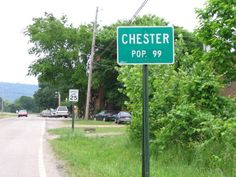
[[140, 45], [74, 95]]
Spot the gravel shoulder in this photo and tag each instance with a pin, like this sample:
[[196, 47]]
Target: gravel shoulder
[[53, 166]]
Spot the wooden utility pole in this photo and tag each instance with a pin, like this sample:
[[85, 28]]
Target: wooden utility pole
[[91, 67], [58, 96], [59, 99]]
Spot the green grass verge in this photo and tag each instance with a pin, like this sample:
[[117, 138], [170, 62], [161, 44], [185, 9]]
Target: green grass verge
[[117, 156], [93, 122], [111, 129], [7, 115]]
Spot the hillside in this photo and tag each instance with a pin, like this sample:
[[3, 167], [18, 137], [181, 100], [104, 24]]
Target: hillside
[[13, 91]]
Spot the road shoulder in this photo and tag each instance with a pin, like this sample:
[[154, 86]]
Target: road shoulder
[[53, 166]]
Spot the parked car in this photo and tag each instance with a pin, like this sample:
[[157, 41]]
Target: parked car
[[22, 113], [53, 112], [62, 111], [46, 113], [123, 117], [104, 115], [112, 117]]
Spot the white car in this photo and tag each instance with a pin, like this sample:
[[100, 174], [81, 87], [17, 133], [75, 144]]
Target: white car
[[62, 111]]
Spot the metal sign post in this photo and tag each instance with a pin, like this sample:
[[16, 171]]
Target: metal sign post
[[138, 45], [145, 124]]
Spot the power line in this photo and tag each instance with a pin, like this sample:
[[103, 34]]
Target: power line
[[137, 12], [129, 22]]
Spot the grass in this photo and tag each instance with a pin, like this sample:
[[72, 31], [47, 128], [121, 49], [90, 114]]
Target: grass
[[7, 115], [81, 131], [91, 122], [111, 129], [117, 156]]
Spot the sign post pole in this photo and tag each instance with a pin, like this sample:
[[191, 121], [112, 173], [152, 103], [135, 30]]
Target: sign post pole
[[145, 125], [73, 117]]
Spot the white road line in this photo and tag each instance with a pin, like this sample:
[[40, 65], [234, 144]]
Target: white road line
[[42, 171]]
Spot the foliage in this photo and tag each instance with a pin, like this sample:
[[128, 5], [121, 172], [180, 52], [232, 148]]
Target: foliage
[[184, 104], [25, 102], [60, 68], [104, 72], [165, 87], [57, 45], [184, 99], [105, 77], [10, 107], [218, 151], [217, 30], [1, 102], [45, 97]]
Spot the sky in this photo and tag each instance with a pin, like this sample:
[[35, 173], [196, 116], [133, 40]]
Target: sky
[[16, 15]]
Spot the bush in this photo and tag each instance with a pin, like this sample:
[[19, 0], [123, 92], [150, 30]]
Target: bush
[[183, 125], [185, 109]]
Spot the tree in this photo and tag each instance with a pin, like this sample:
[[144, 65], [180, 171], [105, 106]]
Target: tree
[[57, 44], [1, 104], [104, 68], [25, 102], [217, 30], [11, 107], [45, 97]]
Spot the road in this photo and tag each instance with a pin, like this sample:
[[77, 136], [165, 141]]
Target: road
[[24, 150]]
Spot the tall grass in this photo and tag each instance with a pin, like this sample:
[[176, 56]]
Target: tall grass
[[117, 156]]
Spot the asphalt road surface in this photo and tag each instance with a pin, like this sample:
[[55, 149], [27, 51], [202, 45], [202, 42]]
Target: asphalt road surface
[[24, 151]]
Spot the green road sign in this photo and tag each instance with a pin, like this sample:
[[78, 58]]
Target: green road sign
[[145, 45]]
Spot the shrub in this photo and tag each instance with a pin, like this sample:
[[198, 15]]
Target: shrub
[[185, 109]]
